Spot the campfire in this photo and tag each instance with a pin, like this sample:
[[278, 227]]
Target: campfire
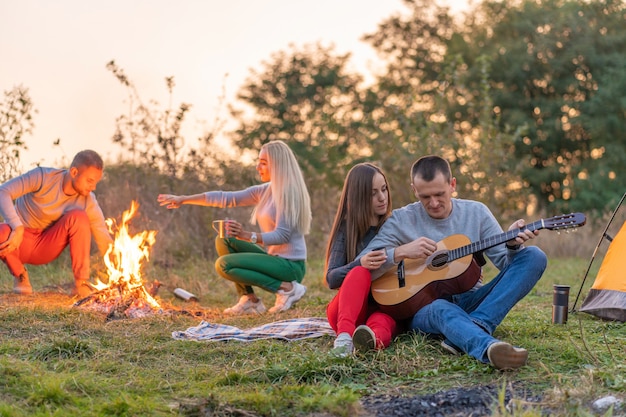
[[124, 295]]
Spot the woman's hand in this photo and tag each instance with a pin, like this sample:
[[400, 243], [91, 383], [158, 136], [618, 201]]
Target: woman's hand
[[374, 259], [233, 228], [170, 201]]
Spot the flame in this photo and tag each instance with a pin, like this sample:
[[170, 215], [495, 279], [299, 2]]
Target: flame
[[125, 257]]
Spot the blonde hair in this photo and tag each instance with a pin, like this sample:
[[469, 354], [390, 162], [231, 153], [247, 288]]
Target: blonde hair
[[287, 187]]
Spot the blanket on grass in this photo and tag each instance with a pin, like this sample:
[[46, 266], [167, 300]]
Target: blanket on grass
[[290, 329]]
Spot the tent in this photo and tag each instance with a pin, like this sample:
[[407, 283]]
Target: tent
[[607, 296]]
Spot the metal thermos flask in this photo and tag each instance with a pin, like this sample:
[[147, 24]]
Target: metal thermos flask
[[560, 298]]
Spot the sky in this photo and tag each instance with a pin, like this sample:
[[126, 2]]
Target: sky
[[58, 50]]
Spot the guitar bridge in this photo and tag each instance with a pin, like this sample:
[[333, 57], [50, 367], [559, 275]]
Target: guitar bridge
[[401, 279]]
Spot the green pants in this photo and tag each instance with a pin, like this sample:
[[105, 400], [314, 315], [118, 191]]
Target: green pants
[[247, 265]]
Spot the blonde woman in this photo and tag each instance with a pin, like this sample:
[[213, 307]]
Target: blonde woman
[[273, 259]]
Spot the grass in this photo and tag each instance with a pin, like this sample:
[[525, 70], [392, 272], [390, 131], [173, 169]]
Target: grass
[[57, 360]]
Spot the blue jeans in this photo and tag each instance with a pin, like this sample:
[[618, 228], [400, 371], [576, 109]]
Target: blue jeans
[[468, 320]]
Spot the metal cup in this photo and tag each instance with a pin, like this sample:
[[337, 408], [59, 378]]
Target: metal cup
[[185, 295], [560, 301], [220, 227]]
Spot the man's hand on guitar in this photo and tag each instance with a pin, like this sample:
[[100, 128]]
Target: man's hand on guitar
[[374, 259], [523, 235], [420, 248]]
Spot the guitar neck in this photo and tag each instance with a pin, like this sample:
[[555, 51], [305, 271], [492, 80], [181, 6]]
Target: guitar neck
[[492, 241]]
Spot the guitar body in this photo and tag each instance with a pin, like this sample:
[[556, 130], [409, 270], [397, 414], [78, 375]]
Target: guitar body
[[426, 281]]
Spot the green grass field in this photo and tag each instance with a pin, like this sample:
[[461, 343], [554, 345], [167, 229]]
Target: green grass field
[[59, 360]]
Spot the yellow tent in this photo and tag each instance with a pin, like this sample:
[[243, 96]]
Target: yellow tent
[[607, 296]]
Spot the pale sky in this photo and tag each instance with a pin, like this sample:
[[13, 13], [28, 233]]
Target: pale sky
[[58, 49]]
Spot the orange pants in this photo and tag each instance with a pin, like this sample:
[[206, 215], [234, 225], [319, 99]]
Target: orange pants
[[352, 307], [43, 246]]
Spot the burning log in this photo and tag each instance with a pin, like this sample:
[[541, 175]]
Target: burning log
[[120, 302], [124, 295]]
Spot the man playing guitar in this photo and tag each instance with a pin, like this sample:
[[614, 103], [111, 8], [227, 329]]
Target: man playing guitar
[[466, 321]]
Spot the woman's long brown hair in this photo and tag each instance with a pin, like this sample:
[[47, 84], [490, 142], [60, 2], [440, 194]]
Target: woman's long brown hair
[[355, 207]]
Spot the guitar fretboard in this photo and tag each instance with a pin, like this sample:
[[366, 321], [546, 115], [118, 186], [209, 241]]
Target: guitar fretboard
[[492, 241]]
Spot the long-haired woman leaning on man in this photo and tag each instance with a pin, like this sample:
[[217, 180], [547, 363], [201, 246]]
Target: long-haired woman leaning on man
[[275, 258], [364, 206]]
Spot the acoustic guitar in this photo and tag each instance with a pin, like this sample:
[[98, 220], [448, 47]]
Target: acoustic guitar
[[454, 267]]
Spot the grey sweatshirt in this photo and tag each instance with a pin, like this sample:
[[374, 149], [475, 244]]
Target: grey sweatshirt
[[278, 237], [40, 201], [470, 218]]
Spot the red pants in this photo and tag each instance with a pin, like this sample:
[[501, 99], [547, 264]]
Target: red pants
[[351, 307], [43, 246]]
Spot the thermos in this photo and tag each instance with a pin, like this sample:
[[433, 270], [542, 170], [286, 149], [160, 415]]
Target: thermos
[[560, 296]]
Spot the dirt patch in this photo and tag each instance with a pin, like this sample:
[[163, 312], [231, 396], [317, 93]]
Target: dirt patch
[[51, 298], [456, 402]]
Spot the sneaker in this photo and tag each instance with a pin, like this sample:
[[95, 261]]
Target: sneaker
[[447, 345], [284, 300], [246, 306], [505, 356], [364, 339], [343, 346], [21, 284]]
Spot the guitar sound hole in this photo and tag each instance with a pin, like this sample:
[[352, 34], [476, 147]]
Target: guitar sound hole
[[439, 260]]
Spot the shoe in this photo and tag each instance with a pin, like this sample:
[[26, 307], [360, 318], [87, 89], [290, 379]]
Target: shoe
[[343, 347], [82, 289], [505, 356], [284, 300], [21, 284], [364, 339], [447, 345], [246, 306]]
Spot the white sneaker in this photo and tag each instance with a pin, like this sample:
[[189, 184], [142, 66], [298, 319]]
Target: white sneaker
[[447, 345], [364, 339], [506, 357], [284, 300], [343, 347], [246, 306]]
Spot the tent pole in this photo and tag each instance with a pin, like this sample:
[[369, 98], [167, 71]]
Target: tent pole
[[596, 250]]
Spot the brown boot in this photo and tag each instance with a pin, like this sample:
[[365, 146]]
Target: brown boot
[[82, 288], [21, 284]]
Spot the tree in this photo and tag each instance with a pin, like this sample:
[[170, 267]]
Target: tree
[[560, 74], [403, 107], [429, 102], [308, 99], [522, 96], [16, 120], [151, 135]]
